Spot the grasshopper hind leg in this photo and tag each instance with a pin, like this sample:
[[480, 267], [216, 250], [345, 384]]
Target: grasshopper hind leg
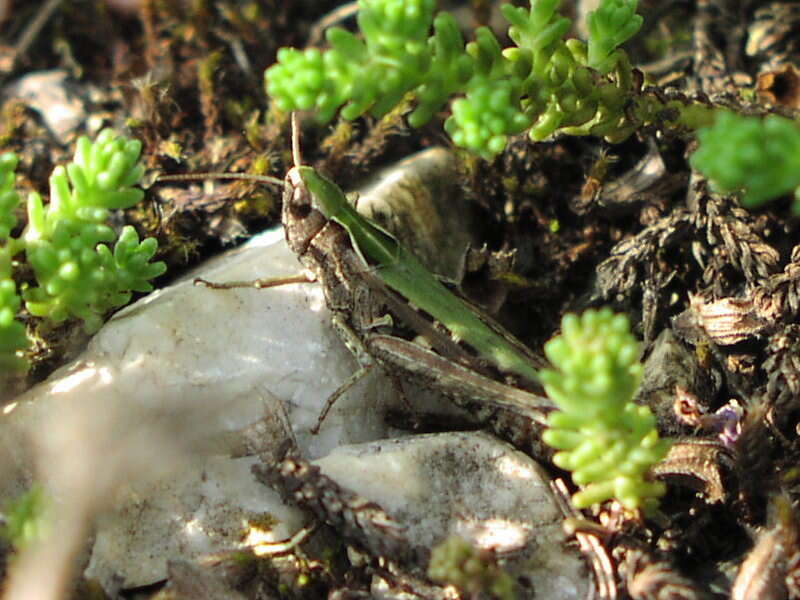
[[365, 365], [362, 372]]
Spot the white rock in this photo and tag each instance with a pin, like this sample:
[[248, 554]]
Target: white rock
[[51, 95], [214, 361], [206, 509], [474, 486]]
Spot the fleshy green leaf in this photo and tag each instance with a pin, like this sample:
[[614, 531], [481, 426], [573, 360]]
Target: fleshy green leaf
[[760, 157], [605, 440]]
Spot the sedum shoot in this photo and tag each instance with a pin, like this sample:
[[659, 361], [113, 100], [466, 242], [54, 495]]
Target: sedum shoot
[[456, 562], [24, 519], [12, 333], [606, 441], [82, 268], [543, 84], [759, 156]]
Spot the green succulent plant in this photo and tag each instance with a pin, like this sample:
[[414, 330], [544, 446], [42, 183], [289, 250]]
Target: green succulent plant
[[543, 84], [760, 157], [12, 333], [606, 441], [82, 267], [455, 561], [23, 519]]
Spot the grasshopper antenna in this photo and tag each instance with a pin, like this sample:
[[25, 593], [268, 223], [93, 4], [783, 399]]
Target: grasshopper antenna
[[296, 157], [214, 175]]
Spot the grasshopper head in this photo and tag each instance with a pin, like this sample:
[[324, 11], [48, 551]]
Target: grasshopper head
[[326, 195], [300, 219]]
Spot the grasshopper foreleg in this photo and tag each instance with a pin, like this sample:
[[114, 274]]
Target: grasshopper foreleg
[[257, 283]]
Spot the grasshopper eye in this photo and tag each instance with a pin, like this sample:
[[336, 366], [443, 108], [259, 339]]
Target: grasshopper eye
[[300, 209]]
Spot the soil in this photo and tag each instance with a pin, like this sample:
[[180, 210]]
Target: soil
[[587, 223]]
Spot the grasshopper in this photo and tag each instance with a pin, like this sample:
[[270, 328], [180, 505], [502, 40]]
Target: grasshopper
[[367, 275]]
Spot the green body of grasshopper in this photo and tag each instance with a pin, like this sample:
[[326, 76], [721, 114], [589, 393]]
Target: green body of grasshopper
[[403, 273]]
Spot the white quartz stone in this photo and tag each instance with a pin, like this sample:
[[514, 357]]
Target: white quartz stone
[[474, 486], [207, 363]]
